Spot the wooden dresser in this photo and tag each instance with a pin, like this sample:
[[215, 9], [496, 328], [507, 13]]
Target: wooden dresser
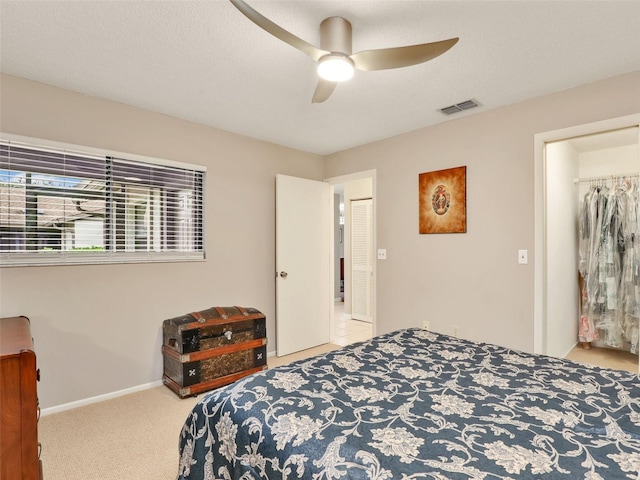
[[19, 411]]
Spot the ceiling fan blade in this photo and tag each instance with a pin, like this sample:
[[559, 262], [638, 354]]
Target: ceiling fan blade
[[324, 89], [397, 57], [277, 31]]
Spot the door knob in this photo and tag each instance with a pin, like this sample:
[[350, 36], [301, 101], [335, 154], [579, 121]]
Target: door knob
[[283, 274]]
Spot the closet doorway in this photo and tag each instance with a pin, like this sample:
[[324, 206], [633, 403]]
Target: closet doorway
[[568, 161]]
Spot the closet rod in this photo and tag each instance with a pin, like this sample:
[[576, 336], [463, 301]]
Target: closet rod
[[606, 177]]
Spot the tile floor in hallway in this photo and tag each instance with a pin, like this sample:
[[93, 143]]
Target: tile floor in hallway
[[347, 330]]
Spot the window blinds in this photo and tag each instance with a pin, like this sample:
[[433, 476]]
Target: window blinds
[[66, 206]]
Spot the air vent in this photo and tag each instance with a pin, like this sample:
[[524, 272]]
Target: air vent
[[459, 107]]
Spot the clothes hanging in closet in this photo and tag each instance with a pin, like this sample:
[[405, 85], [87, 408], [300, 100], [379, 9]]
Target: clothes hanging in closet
[[608, 263]]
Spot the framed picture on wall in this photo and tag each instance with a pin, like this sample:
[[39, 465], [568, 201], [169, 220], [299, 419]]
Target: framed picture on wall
[[443, 201]]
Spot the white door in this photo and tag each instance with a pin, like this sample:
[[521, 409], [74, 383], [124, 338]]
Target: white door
[[303, 282], [361, 259]]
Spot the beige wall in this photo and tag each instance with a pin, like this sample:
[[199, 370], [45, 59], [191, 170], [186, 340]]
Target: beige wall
[[97, 329], [471, 280]]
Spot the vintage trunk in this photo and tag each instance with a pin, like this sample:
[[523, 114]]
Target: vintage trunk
[[211, 348]]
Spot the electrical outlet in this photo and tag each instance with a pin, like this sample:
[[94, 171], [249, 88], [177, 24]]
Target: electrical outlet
[[455, 330], [425, 324]]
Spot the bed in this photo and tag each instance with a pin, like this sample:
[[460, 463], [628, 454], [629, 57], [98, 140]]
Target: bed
[[414, 404]]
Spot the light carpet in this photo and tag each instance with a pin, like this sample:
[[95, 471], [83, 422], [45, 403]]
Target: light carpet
[[133, 437]]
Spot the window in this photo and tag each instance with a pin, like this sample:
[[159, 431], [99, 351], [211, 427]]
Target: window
[[61, 204]]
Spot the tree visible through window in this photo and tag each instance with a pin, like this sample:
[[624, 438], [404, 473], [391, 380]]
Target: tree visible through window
[[64, 202]]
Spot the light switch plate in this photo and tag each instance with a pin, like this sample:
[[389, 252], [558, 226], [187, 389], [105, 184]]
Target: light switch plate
[[382, 254], [523, 257]]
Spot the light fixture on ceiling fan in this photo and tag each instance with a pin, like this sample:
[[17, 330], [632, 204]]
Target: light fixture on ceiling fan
[[336, 63], [335, 68]]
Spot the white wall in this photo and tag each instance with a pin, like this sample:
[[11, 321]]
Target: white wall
[[472, 280], [98, 328], [609, 161], [563, 293]]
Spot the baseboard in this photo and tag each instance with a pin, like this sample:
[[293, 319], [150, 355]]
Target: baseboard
[[99, 398], [271, 354], [569, 351]]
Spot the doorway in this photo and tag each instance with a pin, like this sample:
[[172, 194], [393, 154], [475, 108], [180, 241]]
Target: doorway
[[557, 173], [347, 188]]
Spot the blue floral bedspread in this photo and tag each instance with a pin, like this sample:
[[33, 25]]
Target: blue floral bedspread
[[414, 404]]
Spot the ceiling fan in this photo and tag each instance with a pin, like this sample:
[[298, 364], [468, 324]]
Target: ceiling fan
[[336, 63]]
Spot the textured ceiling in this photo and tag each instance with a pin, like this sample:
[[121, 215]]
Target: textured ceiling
[[205, 62]]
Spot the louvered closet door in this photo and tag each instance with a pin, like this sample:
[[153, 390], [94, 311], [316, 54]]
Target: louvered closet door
[[361, 259]]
